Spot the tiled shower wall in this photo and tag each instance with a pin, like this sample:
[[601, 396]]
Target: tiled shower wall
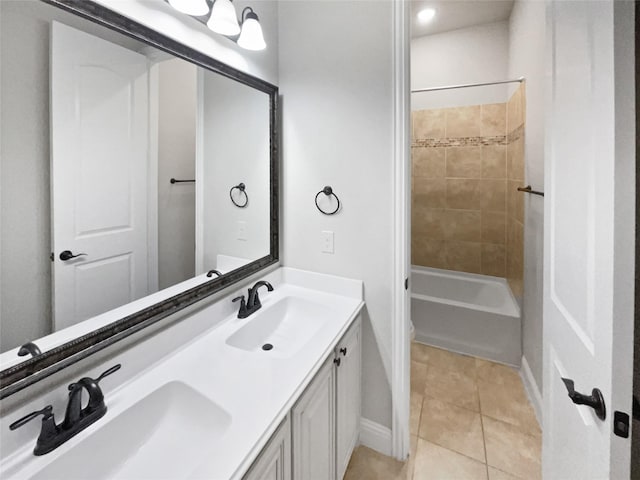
[[466, 212], [515, 199], [459, 177]]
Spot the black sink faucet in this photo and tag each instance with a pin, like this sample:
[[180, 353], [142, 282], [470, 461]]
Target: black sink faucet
[[76, 418], [253, 300]]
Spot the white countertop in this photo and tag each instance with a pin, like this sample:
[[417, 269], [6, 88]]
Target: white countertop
[[255, 388]]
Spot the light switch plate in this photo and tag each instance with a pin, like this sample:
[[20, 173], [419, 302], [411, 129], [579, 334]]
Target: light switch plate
[[327, 241]]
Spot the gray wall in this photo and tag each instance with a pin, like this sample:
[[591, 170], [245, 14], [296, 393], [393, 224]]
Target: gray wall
[[467, 55], [25, 287], [177, 81], [337, 125], [526, 58]]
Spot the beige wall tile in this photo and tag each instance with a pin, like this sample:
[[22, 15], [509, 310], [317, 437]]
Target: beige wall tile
[[523, 101], [463, 256], [462, 193], [427, 252], [515, 200], [452, 427], [494, 161], [428, 222], [463, 121], [514, 274], [510, 450], [428, 162], [494, 227], [494, 119], [494, 260], [510, 154], [429, 124], [515, 159], [515, 239], [515, 250], [464, 162], [435, 462], [492, 195], [515, 113], [519, 203], [511, 196], [430, 192], [462, 225], [516, 286]]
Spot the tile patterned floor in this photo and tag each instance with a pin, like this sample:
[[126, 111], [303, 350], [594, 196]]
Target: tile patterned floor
[[470, 419]]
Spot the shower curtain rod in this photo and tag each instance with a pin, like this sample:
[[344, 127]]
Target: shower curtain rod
[[451, 87]]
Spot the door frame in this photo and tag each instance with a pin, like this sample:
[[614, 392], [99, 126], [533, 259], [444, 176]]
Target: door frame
[[401, 266], [625, 245], [199, 263], [635, 423], [153, 262], [400, 337]]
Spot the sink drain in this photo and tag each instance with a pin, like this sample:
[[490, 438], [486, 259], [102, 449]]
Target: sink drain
[[267, 347]]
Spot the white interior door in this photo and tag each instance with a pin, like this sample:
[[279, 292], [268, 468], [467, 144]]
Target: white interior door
[[587, 241], [99, 154]]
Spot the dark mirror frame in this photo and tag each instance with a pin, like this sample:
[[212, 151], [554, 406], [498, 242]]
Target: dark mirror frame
[[26, 373]]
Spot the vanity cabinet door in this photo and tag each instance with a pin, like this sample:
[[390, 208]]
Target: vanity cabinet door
[[348, 396], [314, 434], [274, 462]]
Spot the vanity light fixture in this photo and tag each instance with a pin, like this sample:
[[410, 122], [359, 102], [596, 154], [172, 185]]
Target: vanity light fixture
[[426, 15], [247, 32], [251, 37], [223, 19], [191, 7]]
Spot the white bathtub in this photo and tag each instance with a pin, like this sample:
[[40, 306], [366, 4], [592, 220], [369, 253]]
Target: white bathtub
[[466, 313]]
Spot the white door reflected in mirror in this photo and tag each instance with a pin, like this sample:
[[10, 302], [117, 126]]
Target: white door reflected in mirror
[[99, 113]]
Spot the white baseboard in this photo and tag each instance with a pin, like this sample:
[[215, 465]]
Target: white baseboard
[[375, 436], [531, 387]]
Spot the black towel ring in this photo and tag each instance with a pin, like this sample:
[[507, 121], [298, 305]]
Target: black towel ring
[[328, 191], [242, 189]]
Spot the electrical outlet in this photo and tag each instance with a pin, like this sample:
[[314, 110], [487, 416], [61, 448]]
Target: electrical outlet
[[327, 241], [242, 230]]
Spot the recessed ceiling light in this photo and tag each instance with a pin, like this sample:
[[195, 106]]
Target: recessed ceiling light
[[426, 15]]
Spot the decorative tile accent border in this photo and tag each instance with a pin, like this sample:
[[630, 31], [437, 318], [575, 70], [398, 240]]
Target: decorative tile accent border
[[461, 141], [515, 134]]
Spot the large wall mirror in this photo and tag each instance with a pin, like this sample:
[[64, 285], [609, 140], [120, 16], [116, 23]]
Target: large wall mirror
[[129, 165]]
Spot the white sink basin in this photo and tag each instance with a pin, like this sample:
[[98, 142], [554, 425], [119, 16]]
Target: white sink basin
[[287, 326], [166, 435]]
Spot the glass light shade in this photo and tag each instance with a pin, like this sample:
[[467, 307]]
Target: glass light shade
[[251, 37], [426, 15], [223, 19], [196, 8]]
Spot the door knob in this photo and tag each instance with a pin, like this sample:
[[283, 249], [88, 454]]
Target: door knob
[[68, 255], [595, 400]]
